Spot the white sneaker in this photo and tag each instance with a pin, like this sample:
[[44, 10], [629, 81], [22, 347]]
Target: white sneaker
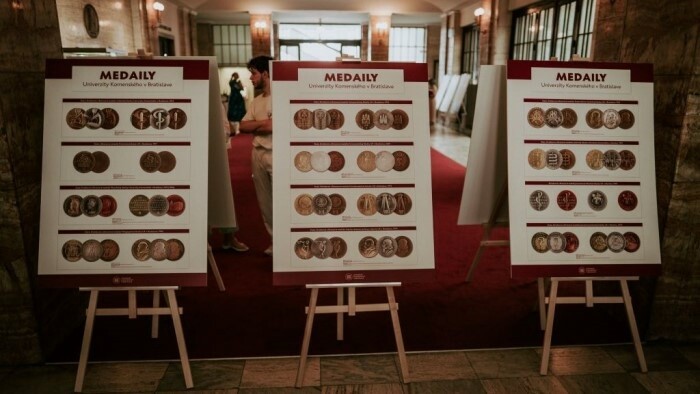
[[268, 251]]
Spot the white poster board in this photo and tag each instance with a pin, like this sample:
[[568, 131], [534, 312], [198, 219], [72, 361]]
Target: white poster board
[[487, 163], [124, 173], [581, 175], [352, 182]]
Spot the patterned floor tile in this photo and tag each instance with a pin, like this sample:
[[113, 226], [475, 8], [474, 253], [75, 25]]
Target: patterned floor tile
[[581, 360], [601, 383], [532, 384], [511, 363], [206, 375], [280, 372], [439, 366], [669, 382], [336, 371]]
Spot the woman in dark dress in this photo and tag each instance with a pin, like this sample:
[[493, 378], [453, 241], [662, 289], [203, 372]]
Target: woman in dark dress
[[236, 104]]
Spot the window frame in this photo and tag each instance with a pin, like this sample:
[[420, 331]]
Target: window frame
[[410, 47], [242, 50]]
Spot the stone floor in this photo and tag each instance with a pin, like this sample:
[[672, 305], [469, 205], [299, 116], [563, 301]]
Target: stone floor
[[672, 368]]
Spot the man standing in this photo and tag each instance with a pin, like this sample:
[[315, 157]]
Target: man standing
[[258, 121]]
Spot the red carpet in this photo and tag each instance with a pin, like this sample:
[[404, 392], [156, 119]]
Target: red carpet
[[253, 318]]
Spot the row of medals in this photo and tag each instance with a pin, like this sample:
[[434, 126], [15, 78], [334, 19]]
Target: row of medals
[[139, 205], [568, 242], [367, 161], [597, 200], [336, 247], [108, 250], [368, 204], [98, 161], [565, 159], [567, 118], [366, 119], [141, 118]]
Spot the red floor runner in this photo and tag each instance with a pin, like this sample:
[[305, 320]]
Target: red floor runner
[[253, 318]]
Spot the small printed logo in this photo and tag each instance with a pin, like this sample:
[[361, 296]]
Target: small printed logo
[[348, 276]]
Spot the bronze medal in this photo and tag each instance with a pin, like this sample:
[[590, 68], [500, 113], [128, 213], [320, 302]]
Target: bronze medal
[[627, 160], [178, 118], [400, 119], [76, 118], [571, 242], [141, 118], [597, 200], [92, 250], [539, 200], [111, 118], [611, 159], [336, 119], [611, 119], [594, 159], [321, 204], [569, 118], [110, 250], [167, 161], [141, 250], [404, 246], [94, 118], [627, 200], [367, 204], [365, 119], [138, 205], [566, 199], [568, 159], [403, 203], [71, 206], [84, 162], [401, 160], [320, 119], [339, 248], [304, 205], [366, 161], [302, 248], [158, 249], [368, 247], [175, 249], [386, 203], [302, 161], [599, 242], [321, 247], [383, 119], [553, 117], [337, 161], [554, 159], [535, 117], [539, 242], [387, 246], [109, 205], [160, 119], [626, 119], [101, 162], [594, 118], [158, 205], [91, 206], [303, 119], [72, 250], [176, 205], [536, 159], [616, 242], [337, 204], [150, 161], [631, 242]]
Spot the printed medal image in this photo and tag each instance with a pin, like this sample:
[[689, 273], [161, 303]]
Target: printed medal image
[[566, 199], [339, 248], [383, 119], [178, 118], [571, 242], [627, 160], [570, 118], [386, 203], [368, 247], [594, 159], [568, 159], [302, 161], [94, 118], [367, 204], [174, 249], [400, 119], [320, 161], [138, 205], [91, 206], [320, 119], [556, 242], [303, 204], [611, 160], [158, 205], [71, 206], [111, 118], [554, 159], [92, 250], [401, 160], [76, 118], [84, 162], [387, 246], [627, 200], [337, 204], [141, 249], [110, 250], [109, 205], [631, 242], [322, 204], [599, 242], [302, 248], [365, 119], [321, 247], [539, 242], [403, 203], [367, 161], [337, 161], [101, 162], [626, 119], [158, 249], [303, 119], [539, 200], [72, 250], [176, 205], [141, 118], [597, 200], [616, 242], [536, 159], [385, 161], [336, 119], [553, 117], [167, 161], [404, 246], [160, 119], [594, 118], [535, 117], [611, 119], [150, 162]]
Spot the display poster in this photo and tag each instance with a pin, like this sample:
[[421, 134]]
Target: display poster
[[581, 175], [124, 173], [352, 182]]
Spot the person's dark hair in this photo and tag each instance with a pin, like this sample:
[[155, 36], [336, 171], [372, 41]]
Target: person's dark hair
[[260, 63]]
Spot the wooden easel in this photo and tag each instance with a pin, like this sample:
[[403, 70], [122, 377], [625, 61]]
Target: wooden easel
[[589, 299], [351, 309], [486, 241], [133, 311], [215, 268]]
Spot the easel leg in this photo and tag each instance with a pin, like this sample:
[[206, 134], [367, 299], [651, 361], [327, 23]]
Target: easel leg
[[339, 316], [155, 319], [215, 269], [475, 262], [307, 337], [541, 303], [633, 326], [87, 337], [394, 310], [175, 312], [550, 324]]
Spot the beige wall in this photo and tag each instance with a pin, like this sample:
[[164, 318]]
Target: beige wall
[[116, 28]]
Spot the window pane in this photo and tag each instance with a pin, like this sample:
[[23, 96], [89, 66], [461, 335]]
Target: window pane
[[232, 44], [407, 44]]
